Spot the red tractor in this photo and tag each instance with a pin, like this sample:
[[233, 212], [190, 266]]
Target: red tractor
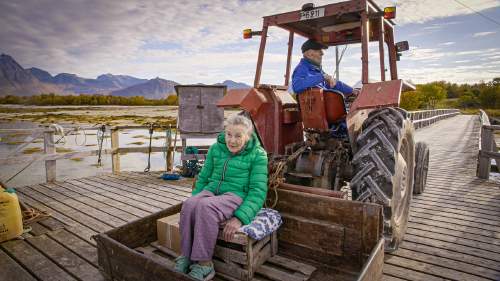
[[377, 160]]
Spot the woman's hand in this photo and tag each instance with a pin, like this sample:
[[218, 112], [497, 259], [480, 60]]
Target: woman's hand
[[232, 225]]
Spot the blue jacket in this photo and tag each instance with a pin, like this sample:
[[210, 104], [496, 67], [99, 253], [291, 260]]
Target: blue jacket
[[307, 75]]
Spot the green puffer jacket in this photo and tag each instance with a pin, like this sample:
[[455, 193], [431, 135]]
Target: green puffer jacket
[[244, 174]]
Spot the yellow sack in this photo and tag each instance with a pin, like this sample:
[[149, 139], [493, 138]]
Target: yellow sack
[[11, 220]]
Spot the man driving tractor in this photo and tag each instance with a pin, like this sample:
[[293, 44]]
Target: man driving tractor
[[309, 73]]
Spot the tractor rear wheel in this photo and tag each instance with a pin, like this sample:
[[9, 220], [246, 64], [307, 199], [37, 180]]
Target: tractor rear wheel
[[421, 167], [384, 169]]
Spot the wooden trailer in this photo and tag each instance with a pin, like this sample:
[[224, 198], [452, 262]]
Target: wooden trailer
[[322, 239]]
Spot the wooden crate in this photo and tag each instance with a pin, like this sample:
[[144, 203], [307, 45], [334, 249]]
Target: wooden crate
[[242, 256]]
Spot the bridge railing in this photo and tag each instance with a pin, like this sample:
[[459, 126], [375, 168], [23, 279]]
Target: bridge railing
[[51, 155], [487, 147], [423, 118]]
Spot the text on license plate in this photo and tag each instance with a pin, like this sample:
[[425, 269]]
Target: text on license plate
[[312, 14]]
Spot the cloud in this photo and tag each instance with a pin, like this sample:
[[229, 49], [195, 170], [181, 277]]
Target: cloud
[[447, 43], [420, 11], [481, 34], [186, 41]]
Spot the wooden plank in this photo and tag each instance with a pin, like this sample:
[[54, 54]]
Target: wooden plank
[[299, 231], [106, 208], [474, 196], [473, 212], [83, 218], [373, 265], [72, 225], [134, 212], [183, 184], [138, 193], [292, 264], [450, 255], [34, 261], [121, 195], [154, 176], [75, 202], [114, 194], [180, 187], [163, 188], [443, 272], [452, 246], [444, 201], [11, 270], [455, 233], [414, 218], [277, 274], [167, 193], [38, 229], [493, 225], [409, 274], [79, 246], [52, 223], [228, 254], [458, 266], [66, 259], [459, 221], [151, 252], [391, 278], [459, 197]]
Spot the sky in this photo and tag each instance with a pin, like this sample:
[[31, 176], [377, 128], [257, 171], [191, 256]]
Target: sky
[[201, 41]]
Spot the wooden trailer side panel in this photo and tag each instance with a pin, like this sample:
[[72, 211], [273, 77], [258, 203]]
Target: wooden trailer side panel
[[372, 270], [328, 229]]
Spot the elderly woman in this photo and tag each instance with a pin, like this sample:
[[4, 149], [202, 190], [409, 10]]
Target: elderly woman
[[230, 190]]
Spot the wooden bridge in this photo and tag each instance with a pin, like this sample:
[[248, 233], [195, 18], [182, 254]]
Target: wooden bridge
[[453, 233]]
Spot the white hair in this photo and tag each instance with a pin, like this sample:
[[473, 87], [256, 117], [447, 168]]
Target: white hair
[[237, 119]]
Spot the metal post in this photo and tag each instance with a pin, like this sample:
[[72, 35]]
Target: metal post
[[49, 148], [365, 27], [289, 58], [381, 49], [261, 56], [115, 146], [337, 63]]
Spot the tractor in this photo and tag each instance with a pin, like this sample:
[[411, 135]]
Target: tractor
[[377, 161]]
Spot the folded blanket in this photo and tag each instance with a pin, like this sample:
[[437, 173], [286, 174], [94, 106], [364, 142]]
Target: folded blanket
[[265, 222]]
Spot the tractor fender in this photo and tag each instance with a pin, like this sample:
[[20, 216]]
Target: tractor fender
[[372, 96]]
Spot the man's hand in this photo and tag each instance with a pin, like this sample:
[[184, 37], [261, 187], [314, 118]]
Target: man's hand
[[232, 225], [330, 80]]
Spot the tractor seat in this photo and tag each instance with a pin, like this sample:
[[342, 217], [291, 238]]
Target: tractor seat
[[320, 109]]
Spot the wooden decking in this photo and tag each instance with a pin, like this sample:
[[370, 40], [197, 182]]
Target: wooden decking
[[453, 234], [454, 228]]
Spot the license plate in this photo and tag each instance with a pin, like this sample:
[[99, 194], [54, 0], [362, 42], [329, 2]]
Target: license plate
[[312, 14]]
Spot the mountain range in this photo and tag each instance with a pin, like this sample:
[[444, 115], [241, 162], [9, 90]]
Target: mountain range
[[15, 80]]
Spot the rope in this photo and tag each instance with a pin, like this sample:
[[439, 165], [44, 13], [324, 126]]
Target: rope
[[31, 215], [276, 176]]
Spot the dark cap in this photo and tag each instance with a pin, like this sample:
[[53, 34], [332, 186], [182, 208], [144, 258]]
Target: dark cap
[[312, 45]]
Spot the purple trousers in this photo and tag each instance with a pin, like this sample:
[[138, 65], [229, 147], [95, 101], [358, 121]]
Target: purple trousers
[[199, 222]]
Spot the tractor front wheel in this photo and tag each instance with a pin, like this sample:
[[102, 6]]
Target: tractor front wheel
[[384, 169]]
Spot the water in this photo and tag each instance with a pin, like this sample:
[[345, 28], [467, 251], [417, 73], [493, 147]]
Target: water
[[83, 167]]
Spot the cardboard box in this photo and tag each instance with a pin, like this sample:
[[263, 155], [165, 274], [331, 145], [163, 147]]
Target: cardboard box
[[168, 232]]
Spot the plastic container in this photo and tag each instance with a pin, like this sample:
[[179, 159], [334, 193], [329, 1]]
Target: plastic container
[[11, 220]]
